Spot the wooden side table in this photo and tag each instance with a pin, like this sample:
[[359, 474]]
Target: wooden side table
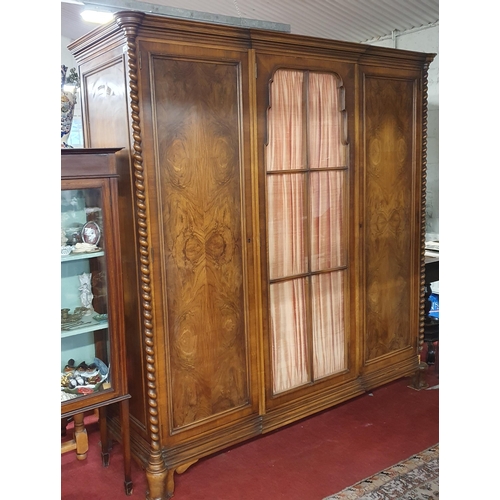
[[80, 438]]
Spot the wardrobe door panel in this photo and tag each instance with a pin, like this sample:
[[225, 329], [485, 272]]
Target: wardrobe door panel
[[306, 190], [391, 228], [200, 190]]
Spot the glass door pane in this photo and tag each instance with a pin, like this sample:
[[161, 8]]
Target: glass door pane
[[85, 338], [307, 256]]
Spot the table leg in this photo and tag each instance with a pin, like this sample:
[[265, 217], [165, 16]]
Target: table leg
[[125, 425], [64, 424], [103, 428], [81, 438]]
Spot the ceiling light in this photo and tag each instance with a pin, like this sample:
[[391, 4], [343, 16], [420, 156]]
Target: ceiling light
[[96, 16]]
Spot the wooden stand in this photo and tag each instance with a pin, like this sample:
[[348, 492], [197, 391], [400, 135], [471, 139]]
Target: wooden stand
[[80, 441], [81, 445], [106, 447]]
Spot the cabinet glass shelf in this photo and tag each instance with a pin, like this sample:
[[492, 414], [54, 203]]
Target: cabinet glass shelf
[[81, 256], [89, 325]]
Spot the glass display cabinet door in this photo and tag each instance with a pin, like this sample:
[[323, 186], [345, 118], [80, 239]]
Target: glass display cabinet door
[[86, 350]]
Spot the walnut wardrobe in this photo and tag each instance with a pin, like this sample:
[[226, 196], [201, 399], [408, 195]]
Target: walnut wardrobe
[[272, 224]]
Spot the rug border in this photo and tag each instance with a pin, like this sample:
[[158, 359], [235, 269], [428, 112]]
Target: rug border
[[390, 473]]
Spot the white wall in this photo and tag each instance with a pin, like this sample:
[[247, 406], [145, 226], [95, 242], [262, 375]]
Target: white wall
[[426, 40], [66, 57]]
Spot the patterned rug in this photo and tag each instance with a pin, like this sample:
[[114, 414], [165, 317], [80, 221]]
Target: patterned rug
[[416, 478]]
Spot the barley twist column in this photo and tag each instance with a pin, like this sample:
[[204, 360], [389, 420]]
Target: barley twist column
[[156, 471], [424, 203]]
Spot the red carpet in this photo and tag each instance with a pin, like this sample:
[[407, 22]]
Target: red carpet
[[308, 460]]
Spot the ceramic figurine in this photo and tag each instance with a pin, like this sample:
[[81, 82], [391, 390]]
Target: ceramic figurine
[[86, 295]]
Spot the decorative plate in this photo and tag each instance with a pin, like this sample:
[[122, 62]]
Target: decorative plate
[[91, 233], [85, 248]]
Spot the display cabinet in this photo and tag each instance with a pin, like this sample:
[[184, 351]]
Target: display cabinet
[[93, 373]]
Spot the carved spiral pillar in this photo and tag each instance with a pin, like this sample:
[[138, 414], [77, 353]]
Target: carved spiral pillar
[[156, 471], [425, 81]]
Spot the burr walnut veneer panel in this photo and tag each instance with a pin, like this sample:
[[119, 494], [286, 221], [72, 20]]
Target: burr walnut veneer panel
[[390, 218], [197, 122]]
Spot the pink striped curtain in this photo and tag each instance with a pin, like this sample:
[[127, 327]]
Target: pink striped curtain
[[326, 190], [325, 147], [328, 323], [285, 124], [305, 229], [327, 219], [289, 337], [285, 216]]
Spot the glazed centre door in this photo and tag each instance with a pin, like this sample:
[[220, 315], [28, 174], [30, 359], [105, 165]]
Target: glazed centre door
[[306, 195]]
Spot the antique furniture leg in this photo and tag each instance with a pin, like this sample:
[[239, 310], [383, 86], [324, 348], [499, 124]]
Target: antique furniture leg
[[170, 478], [80, 441], [170, 483], [418, 380], [64, 424], [103, 428], [431, 353], [125, 425], [81, 438], [156, 474], [431, 335]]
